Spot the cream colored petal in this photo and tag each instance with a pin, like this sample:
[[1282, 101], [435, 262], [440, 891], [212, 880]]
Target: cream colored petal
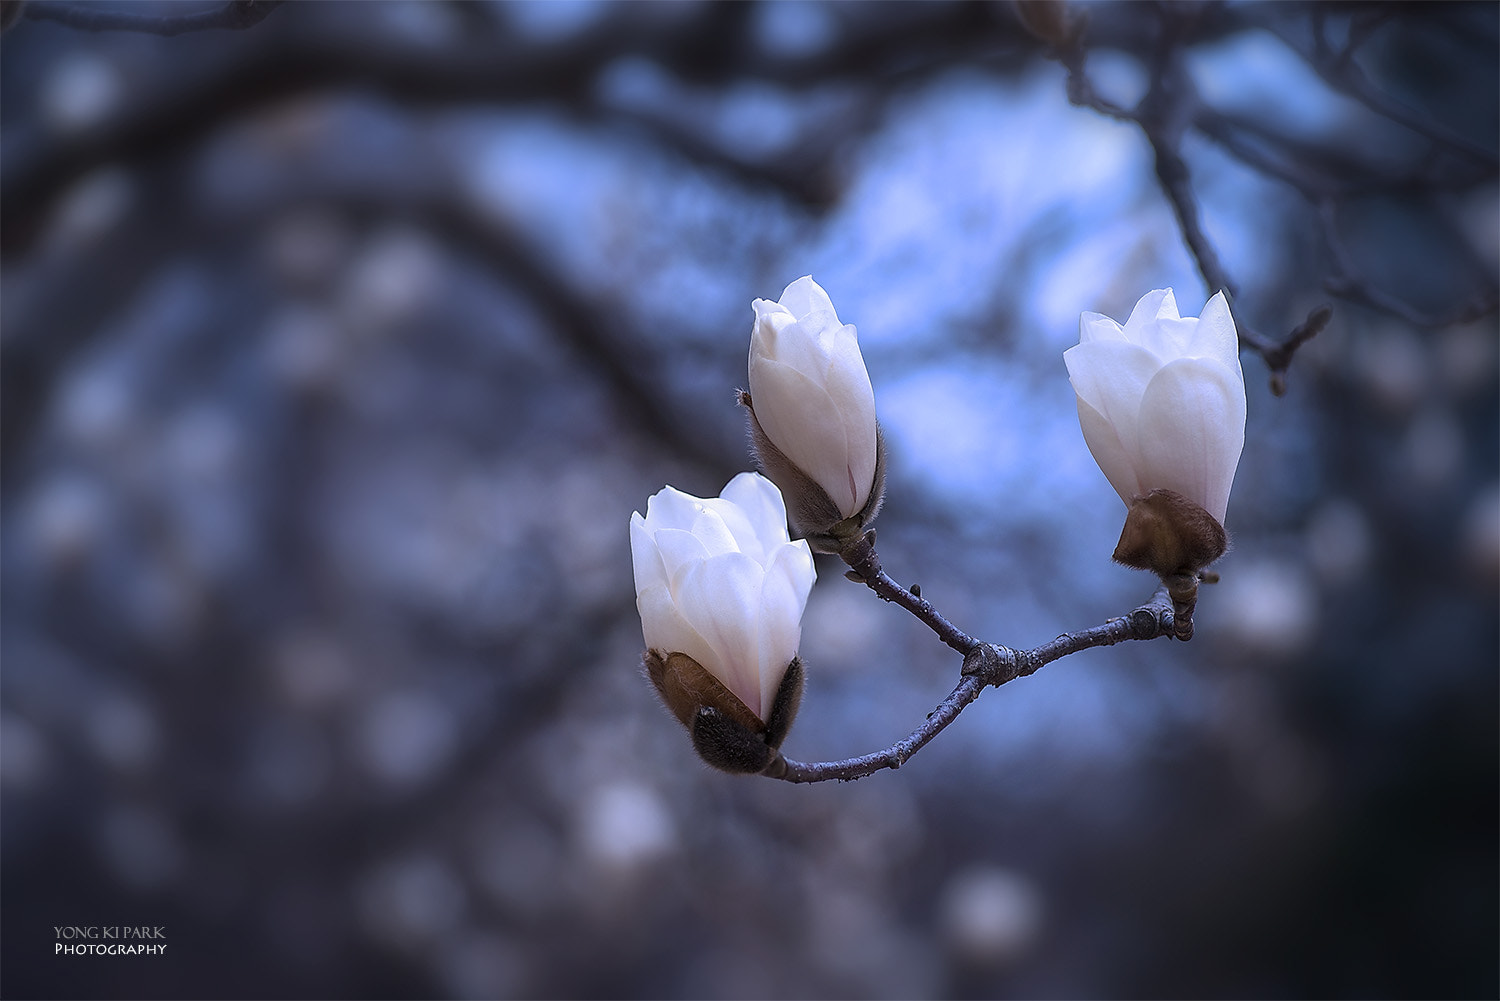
[[1192, 430]]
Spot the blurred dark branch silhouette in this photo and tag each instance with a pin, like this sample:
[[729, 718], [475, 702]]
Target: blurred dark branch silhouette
[[1321, 175], [235, 15], [1340, 69], [1348, 281]]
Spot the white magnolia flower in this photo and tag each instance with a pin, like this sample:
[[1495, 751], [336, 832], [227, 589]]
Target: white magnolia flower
[[720, 581], [1162, 399], [812, 393]]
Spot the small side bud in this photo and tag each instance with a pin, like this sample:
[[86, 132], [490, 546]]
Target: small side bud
[[1168, 534], [725, 733]]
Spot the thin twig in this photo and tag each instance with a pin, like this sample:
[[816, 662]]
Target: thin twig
[[1348, 282], [1342, 71], [236, 15], [986, 665], [1176, 183], [860, 555]]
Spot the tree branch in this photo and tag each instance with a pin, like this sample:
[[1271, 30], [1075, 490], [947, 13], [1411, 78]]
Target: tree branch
[[865, 564], [1340, 70], [1348, 282], [1160, 118], [236, 15], [985, 665]]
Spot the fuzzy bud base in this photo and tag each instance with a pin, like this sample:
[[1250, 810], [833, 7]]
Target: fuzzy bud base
[[725, 733], [1168, 534]]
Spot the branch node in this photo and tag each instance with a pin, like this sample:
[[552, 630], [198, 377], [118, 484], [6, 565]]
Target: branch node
[[992, 664], [1145, 623]]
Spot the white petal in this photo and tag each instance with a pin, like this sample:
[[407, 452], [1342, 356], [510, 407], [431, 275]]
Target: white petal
[[671, 508], [710, 528], [766, 312], [789, 579], [805, 422], [1216, 336], [763, 507], [849, 387], [805, 296], [1111, 377], [1192, 430], [644, 557], [1173, 339], [666, 630], [679, 548], [1098, 327], [1154, 305], [771, 318], [1116, 462], [796, 345], [721, 599]]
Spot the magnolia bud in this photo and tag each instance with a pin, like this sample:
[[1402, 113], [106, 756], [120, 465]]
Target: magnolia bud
[[721, 589], [812, 416], [1161, 400]]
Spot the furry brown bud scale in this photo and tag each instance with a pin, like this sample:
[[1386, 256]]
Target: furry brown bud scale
[[1169, 534], [726, 734]]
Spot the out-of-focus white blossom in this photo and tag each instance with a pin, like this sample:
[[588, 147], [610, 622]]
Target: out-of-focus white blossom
[[812, 396], [719, 580], [1162, 399]]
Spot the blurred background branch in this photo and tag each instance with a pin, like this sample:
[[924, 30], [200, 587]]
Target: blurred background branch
[[235, 15]]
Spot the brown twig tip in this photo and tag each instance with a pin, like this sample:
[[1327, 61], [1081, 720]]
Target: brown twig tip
[[1279, 358]]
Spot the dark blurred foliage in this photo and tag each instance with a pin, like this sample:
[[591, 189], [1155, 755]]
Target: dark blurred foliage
[[337, 351]]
